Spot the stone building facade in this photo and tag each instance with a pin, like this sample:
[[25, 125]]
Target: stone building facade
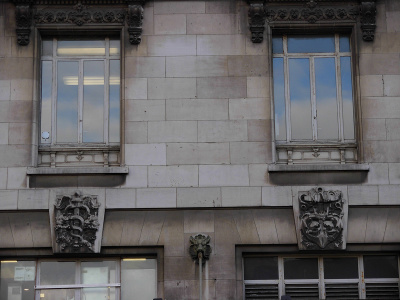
[[270, 127]]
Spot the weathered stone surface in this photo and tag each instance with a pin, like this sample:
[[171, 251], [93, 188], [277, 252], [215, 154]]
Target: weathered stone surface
[[16, 178], [145, 110], [33, 199], [156, 198], [197, 109], [171, 88], [196, 66], [172, 131], [221, 44], [371, 85], [391, 87], [277, 196], [120, 198], [136, 88], [199, 197], [171, 45], [145, 154], [250, 152], [8, 200], [197, 153], [202, 24], [229, 175], [137, 177], [221, 87], [222, 131], [249, 108], [173, 176], [170, 24], [198, 221], [374, 129], [363, 195], [136, 132], [179, 7], [241, 196]]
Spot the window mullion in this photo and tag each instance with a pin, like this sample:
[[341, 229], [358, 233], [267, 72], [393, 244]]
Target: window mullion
[[281, 286], [362, 292], [339, 89], [322, 294], [106, 99], [313, 100], [54, 94], [80, 101], [287, 89]]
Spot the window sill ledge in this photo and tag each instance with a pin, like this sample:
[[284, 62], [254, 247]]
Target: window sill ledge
[[77, 170], [319, 168]]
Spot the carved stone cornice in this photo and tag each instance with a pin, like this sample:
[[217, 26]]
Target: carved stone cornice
[[79, 13], [257, 16], [311, 11], [321, 219]]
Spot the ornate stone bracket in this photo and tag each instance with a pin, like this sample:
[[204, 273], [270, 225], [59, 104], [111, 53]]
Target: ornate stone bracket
[[77, 222], [257, 18], [310, 11], [199, 247], [79, 13], [23, 15], [368, 22], [135, 21], [321, 219]]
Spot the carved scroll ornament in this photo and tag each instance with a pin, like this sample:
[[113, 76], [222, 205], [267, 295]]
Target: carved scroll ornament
[[321, 219], [257, 18], [76, 222]]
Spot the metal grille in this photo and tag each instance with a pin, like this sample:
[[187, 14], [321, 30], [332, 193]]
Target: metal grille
[[382, 290], [261, 291], [302, 291], [341, 291]]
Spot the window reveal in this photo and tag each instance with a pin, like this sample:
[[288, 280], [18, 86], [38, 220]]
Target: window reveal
[[313, 96]]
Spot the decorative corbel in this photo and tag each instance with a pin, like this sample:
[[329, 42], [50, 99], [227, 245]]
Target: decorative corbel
[[368, 19], [257, 18], [23, 15], [135, 21]]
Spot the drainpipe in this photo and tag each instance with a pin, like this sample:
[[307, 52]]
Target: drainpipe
[[200, 251]]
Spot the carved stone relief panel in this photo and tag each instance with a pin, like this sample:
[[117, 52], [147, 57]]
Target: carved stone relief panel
[[321, 219], [77, 222]]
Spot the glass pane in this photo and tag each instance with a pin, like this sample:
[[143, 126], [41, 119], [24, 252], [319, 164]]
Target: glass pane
[[376, 266], [47, 48], [107, 293], [301, 268], [344, 43], [341, 268], [313, 44], [58, 294], [67, 101], [279, 99], [114, 101], [138, 279], [327, 111], [347, 98], [114, 47], [98, 272], [93, 101], [45, 121], [17, 280], [300, 98], [277, 44], [57, 272], [260, 268], [81, 47]]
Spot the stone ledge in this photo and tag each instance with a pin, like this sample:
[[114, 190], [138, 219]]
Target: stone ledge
[[77, 170], [318, 168]]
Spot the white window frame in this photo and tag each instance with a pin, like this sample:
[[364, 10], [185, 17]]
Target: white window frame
[[311, 56], [107, 58], [321, 281]]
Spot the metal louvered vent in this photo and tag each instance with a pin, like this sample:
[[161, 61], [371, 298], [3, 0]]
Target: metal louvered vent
[[302, 291], [261, 292], [382, 290], [341, 291]]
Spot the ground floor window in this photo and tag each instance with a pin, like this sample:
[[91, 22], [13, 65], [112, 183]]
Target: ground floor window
[[321, 277], [83, 279]]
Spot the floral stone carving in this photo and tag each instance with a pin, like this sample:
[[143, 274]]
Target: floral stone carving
[[76, 222], [199, 246], [321, 219]]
